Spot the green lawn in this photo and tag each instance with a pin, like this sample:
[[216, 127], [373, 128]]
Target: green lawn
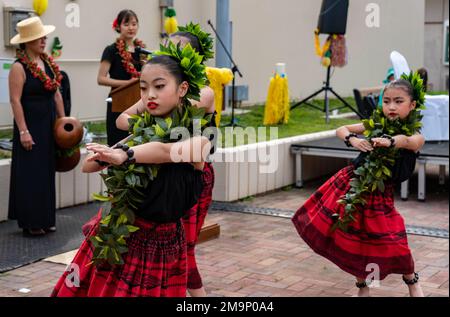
[[303, 120]]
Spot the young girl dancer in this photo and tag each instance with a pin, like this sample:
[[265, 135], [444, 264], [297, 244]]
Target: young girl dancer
[[351, 219], [193, 221], [142, 251]]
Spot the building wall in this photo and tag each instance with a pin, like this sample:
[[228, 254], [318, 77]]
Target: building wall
[[435, 14], [265, 32]]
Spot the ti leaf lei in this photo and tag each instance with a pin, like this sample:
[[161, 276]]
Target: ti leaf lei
[[126, 185], [376, 168]]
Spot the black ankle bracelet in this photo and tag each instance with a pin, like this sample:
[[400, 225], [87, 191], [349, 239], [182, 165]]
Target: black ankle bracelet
[[361, 285], [412, 281]]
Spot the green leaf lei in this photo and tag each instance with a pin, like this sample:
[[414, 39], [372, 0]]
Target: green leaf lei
[[205, 39], [126, 185], [377, 166]]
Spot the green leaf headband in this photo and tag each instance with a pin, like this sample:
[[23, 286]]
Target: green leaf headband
[[205, 39], [191, 63], [419, 90]]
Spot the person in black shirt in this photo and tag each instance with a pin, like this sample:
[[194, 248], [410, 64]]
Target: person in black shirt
[[155, 262], [120, 65], [36, 103]]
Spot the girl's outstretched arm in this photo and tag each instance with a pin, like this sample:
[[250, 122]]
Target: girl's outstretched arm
[[194, 150], [345, 130], [360, 144], [413, 143]]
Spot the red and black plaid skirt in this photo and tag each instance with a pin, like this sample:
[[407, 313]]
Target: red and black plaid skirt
[[155, 265], [193, 222], [375, 243]]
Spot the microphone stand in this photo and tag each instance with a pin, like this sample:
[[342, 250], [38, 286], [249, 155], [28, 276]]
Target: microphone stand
[[235, 70]]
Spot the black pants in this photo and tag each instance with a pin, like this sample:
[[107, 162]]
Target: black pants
[[114, 135]]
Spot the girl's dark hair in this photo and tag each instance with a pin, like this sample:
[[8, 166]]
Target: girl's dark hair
[[423, 73], [171, 65], [193, 40], [401, 84], [22, 46], [125, 16]]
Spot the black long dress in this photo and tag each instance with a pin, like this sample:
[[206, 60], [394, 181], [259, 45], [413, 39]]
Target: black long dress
[[32, 184], [118, 72]]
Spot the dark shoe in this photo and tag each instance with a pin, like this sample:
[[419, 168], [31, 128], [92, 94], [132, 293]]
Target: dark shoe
[[50, 229], [33, 232]]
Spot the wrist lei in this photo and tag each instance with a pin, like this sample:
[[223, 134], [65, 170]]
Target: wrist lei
[[347, 139], [130, 153], [390, 138]]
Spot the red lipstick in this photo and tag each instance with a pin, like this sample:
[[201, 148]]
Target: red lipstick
[[152, 105]]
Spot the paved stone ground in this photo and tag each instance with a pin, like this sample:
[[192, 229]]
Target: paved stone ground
[[261, 256]]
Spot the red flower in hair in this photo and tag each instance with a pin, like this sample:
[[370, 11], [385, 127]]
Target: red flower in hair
[[115, 24]]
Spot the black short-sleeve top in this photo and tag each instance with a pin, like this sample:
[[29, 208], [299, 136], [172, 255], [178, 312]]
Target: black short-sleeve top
[[117, 71], [175, 190]]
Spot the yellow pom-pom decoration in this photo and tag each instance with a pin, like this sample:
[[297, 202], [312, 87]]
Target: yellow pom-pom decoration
[[40, 6], [171, 23], [326, 61], [218, 78]]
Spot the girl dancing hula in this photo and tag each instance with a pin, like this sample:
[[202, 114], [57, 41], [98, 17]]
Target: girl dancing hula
[[139, 247], [194, 218], [351, 219]]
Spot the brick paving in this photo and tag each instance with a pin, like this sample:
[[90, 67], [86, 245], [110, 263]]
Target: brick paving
[[262, 256]]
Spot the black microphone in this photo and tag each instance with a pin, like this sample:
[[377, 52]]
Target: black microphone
[[141, 50]]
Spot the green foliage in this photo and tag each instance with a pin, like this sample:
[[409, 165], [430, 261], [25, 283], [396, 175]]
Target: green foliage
[[127, 185], [377, 166], [205, 39]]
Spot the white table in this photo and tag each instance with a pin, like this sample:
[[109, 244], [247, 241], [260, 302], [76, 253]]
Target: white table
[[435, 118]]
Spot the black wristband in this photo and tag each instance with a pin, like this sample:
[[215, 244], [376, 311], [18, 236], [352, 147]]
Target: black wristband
[[390, 138], [130, 155], [347, 139]]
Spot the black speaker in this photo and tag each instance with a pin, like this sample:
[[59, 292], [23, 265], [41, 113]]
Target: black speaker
[[333, 17]]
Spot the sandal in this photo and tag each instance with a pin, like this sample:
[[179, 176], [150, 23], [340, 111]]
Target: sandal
[[412, 281], [33, 232], [50, 229]]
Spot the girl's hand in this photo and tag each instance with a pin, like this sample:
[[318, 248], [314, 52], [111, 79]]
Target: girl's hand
[[106, 154], [381, 142], [361, 144], [27, 141]]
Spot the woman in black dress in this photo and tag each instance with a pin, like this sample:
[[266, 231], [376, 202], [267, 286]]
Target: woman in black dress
[[36, 102], [122, 63]]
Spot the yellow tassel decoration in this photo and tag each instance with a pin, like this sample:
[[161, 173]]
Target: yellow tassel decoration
[[40, 6], [326, 47], [277, 108], [218, 79]]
